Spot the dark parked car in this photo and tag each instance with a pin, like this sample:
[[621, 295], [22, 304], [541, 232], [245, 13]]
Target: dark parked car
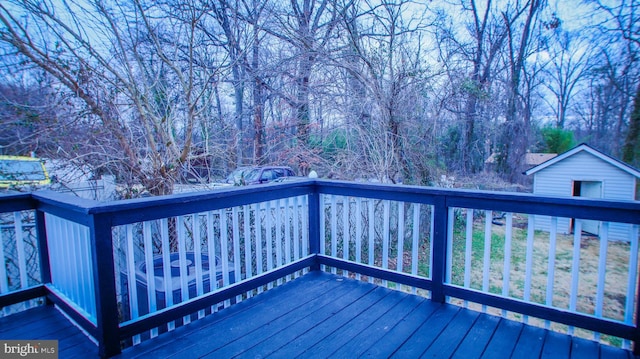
[[266, 174]]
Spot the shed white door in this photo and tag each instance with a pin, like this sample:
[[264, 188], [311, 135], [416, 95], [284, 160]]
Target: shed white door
[[591, 189]]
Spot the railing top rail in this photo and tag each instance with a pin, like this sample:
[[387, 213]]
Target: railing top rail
[[130, 211], [141, 209], [64, 205], [15, 201], [586, 208]]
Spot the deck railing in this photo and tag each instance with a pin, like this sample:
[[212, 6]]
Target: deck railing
[[486, 250], [129, 270], [20, 256]]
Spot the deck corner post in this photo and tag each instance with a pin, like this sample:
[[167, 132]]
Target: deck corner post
[[636, 337], [439, 255], [108, 328], [314, 226], [43, 247]]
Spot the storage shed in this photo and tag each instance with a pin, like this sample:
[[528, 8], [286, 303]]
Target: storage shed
[[585, 172]]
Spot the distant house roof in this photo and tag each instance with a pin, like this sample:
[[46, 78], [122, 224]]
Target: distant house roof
[[534, 159], [531, 159], [588, 149]]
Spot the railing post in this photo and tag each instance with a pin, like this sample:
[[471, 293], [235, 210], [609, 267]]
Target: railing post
[[43, 248], [636, 340], [105, 287], [439, 255], [314, 225]]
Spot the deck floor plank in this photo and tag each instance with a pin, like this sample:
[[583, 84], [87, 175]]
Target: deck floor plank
[[325, 315], [556, 345], [352, 328], [39, 323], [474, 343], [422, 338], [393, 339], [584, 349], [373, 335], [282, 330], [531, 342], [47, 323], [608, 352], [45, 328], [503, 340], [451, 337], [332, 323], [235, 321], [18, 320]]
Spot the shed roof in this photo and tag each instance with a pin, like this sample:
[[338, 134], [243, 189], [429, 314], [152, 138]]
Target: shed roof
[[586, 148]]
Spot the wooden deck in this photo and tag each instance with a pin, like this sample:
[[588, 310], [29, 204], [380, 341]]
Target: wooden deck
[[47, 323], [322, 315]]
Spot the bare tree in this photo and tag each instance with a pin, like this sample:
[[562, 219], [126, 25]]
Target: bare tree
[[386, 72], [304, 30], [477, 39], [28, 108], [254, 12], [232, 39], [516, 132], [618, 24], [624, 19], [123, 61], [568, 65]]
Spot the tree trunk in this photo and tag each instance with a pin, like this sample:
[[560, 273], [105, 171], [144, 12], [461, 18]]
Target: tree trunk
[[515, 137], [238, 88], [303, 111], [631, 148], [258, 123], [469, 133]]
